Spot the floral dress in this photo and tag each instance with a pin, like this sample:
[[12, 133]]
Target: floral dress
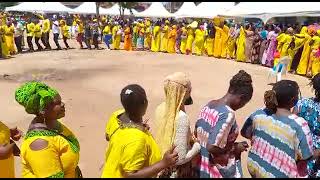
[[309, 109]]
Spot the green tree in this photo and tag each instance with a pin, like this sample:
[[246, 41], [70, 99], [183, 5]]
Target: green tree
[[3, 5], [127, 5]]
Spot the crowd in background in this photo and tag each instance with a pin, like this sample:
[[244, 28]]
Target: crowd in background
[[256, 43], [284, 135]]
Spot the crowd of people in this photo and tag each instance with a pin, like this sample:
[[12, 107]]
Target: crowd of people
[[284, 135], [243, 42]]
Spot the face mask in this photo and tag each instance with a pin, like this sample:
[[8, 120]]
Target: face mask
[[188, 101]]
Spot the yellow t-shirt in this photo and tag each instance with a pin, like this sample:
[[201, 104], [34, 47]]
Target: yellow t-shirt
[[130, 149], [113, 123], [65, 31], [46, 26], [30, 29], [6, 165], [37, 31], [59, 159], [106, 30]]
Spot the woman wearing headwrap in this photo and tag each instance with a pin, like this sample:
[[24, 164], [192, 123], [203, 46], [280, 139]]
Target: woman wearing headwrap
[[49, 149], [218, 37], [250, 32], [263, 35], [231, 43], [65, 33], [172, 39], [191, 28], [148, 35], [37, 35], [241, 46], [305, 56], [299, 39], [9, 38], [224, 38], [314, 61], [156, 38], [3, 44], [8, 149], [183, 42], [271, 47], [127, 38], [164, 38], [286, 44], [140, 40], [210, 33], [116, 36], [173, 123], [199, 40]]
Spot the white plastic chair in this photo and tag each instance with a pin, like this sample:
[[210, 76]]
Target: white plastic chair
[[280, 69]]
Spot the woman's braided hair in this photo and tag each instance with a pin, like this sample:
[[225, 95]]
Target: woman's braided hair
[[315, 83], [281, 94], [241, 84]]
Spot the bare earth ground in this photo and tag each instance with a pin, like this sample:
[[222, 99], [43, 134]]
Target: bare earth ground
[[90, 83]]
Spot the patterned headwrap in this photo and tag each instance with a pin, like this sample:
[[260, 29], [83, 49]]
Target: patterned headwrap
[[34, 96]]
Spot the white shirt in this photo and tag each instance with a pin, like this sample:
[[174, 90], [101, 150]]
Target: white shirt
[[55, 27], [18, 30]]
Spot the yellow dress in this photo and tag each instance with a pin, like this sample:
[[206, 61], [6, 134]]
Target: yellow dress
[[304, 60], [231, 45], [59, 159], [155, 44], [4, 46], [183, 43], [172, 41], [217, 42], [209, 44], [9, 39], [199, 41], [6, 165], [148, 37], [164, 39], [241, 45], [224, 39], [116, 38], [130, 149], [190, 40], [314, 63]]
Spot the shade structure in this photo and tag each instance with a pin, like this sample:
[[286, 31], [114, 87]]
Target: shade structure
[[46, 7], [156, 9], [115, 10], [186, 10], [86, 8], [211, 9], [267, 10], [27, 7]]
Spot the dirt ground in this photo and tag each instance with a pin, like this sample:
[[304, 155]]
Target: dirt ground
[[90, 82]]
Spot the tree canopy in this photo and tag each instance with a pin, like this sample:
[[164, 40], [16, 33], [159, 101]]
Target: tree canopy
[[3, 5]]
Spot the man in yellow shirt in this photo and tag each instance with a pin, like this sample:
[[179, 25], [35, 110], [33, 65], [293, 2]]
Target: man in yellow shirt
[[30, 34], [38, 34], [80, 36], [46, 32]]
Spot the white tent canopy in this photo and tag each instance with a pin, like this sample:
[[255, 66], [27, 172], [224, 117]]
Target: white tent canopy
[[156, 9], [267, 10], [46, 7], [186, 10], [114, 10], [211, 9], [86, 8]]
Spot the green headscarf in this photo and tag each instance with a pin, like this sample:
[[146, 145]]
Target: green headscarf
[[34, 96]]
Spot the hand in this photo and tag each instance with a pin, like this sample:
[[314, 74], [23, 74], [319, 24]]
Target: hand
[[15, 133], [15, 149], [145, 124], [239, 147], [170, 158]]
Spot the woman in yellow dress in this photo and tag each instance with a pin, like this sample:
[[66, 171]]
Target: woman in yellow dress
[[199, 40], [241, 46], [49, 149], [116, 36], [4, 47], [156, 39], [127, 38], [191, 28], [224, 39], [183, 42], [148, 35], [8, 149], [165, 36], [231, 42], [9, 38], [132, 151], [209, 42], [172, 40], [305, 56], [299, 41], [314, 62]]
